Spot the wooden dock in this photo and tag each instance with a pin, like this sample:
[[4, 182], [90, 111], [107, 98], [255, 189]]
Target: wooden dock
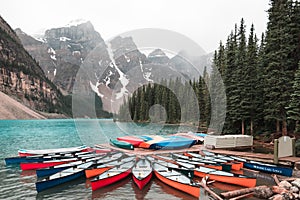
[[267, 158], [141, 151]]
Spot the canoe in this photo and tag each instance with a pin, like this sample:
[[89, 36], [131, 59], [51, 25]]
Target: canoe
[[55, 169], [45, 164], [225, 177], [41, 158], [227, 163], [201, 161], [100, 168], [171, 142], [25, 159], [212, 166], [145, 137], [26, 152], [121, 144], [172, 166], [155, 138], [113, 175], [274, 169], [199, 139], [135, 141], [142, 172], [64, 176], [176, 180], [264, 167]]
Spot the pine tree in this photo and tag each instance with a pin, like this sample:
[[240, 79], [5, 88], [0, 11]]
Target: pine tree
[[217, 97], [294, 105], [278, 74], [250, 91], [241, 76], [230, 83]]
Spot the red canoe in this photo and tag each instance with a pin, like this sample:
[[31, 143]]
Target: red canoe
[[177, 180], [99, 169], [135, 141], [142, 173], [113, 175], [45, 164]]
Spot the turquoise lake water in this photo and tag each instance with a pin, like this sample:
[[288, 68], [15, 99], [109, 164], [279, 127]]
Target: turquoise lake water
[[58, 133], [44, 134]]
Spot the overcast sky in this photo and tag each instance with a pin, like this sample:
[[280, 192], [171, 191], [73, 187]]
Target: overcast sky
[[204, 21]]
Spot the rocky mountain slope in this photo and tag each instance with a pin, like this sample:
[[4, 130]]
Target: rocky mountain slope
[[22, 78], [12, 109], [114, 68]]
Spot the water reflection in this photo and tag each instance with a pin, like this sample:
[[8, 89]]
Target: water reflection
[[140, 194], [106, 191]]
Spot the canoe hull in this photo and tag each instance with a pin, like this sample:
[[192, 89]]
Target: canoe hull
[[135, 141], [122, 144], [26, 152], [269, 169], [142, 182], [109, 180], [44, 185], [192, 190], [49, 172], [33, 166], [23, 159], [94, 172], [242, 181]]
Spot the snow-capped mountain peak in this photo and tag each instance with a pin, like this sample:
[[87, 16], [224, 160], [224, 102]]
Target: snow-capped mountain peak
[[76, 22]]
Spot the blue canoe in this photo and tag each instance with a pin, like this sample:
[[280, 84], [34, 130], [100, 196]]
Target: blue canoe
[[24, 159], [173, 142], [274, 169], [62, 177]]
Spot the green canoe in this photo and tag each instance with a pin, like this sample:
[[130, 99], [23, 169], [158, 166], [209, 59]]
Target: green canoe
[[121, 144]]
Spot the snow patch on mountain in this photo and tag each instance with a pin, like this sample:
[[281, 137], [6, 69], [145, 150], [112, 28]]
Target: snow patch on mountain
[[76, 22], [146, 75], [64, 39], [43, 40], [123, 80], [127, 59], [95, 88], [51, 50], [107, 78], [53, 57]]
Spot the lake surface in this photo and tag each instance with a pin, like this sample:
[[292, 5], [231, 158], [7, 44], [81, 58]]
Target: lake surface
[[58, 133]]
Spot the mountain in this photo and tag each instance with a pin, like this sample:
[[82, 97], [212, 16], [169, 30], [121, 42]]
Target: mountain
[[22, 78], [158, 57], [77, 54], [62, 50]]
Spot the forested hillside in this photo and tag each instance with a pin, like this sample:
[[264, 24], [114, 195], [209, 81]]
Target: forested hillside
[[261, 76]]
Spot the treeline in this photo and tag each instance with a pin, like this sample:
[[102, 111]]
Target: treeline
[[170, 101], [261, 78]]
